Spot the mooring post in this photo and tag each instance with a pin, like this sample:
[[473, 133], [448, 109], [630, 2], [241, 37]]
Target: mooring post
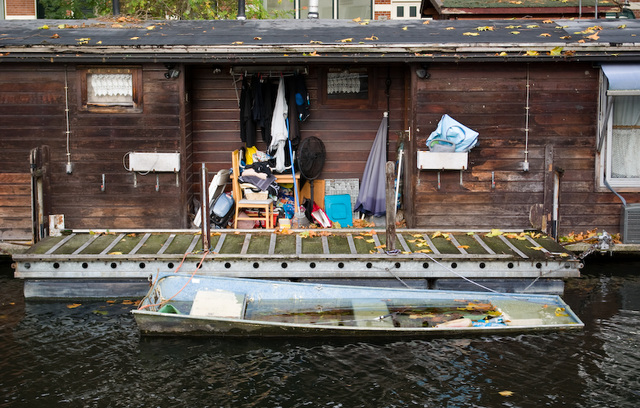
[[391, 206], [205, 209]]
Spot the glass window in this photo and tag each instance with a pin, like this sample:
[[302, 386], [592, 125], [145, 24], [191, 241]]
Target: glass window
[[280, 8], [350, 9], [400, 11], [113, 89], [325, 9], [413, 11]]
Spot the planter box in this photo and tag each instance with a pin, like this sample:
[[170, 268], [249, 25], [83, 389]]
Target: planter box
[[442, 160]]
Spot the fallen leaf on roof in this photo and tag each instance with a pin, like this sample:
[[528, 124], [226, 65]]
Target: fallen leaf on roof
[[426, 22], [511, 27], [547, 21], [314, 54], [346, 40], [405, 28], [134, 38], [515, 32], [55, 36], [622, 26], [502, 54], [471, 34], [315, 42], [372, 38], [538, 248], [533, 26], [450, 28], [44, 27], [485, 28], [237, 43], [594, 37], [436, 234], [556, 51], [532, 53], [257, 38], [545, 35], [151, 27], [357, 20]]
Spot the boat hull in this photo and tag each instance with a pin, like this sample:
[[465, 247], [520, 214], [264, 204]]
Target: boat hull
[[244, 318]]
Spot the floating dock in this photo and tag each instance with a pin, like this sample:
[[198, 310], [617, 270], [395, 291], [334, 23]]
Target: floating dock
[[88, 264]]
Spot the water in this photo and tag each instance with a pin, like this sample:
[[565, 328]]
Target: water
[[90, 355]]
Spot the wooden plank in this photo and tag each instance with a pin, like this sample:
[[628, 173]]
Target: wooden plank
[[272, 243], [59, 244], [455, 242], [512, 247], [245, 244], [140, 244], [325, 245], [112, 244], [194, 241], [431, 245], [483, 244], [166, 244], [218, 247], [86, 244], [352, 245], [403, 243]]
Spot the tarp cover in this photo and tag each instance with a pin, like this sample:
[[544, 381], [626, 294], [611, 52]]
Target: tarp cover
[[372, 197], [622, 76]]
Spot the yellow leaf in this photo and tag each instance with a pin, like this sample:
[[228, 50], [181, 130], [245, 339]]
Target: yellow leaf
[[372, 38], [532, 53], [44, 27], [134, 38], [436, 234], [257, 38], [533, 26], [115, 253], [380, 246], [506, 393], [405, 28], [426, 22], [237, 43], [370, 241], [357, 20], [471, 34], [547, 21], [315, 42], [545, 35], [556, 51], [74, 305], [622, 26], [503, 54], [450, 28], [485, 28], [515, 32], [463, 246], [346, 40], [538, 248], [151, 27]]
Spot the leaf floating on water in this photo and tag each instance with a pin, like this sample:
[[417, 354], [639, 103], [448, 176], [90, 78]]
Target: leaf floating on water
[[101, 312], [73, 305], [506, 393]]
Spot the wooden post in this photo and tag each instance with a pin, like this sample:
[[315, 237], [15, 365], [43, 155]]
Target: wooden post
[[391, 207], [204, 209]]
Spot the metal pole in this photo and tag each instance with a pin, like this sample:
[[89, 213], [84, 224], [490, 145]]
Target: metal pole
[[313, 10], [391, 204], [241, 15]]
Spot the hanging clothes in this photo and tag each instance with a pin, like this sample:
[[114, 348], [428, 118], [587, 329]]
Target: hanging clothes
[[279, 133], [301, 97], [247, 124], [268, 100]]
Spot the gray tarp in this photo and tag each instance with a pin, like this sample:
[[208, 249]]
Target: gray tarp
[[372, 197]]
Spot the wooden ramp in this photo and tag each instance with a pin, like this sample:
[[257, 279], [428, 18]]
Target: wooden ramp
[[425, 259]]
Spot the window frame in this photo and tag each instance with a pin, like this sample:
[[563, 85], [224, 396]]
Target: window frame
[[347, 102], [606, 107], [136, 91]]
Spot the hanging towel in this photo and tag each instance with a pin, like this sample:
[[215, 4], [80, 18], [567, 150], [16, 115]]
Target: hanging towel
[[279, 132]]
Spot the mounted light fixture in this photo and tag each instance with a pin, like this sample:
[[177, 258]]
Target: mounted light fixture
[[172, 72], [422, 72]]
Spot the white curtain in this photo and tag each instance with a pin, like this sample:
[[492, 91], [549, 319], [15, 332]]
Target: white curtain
[[625, 143], [112, 84]]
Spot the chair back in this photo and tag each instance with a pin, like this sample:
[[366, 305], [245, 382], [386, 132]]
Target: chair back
[[235, 165]]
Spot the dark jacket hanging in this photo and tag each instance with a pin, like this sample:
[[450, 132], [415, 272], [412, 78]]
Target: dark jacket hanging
[[247, 124]]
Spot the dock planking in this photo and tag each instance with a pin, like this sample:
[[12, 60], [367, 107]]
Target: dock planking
[[344, 256]]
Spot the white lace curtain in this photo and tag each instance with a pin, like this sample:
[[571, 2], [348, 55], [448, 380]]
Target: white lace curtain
[[112, 84], [343, 82], [625, 143]]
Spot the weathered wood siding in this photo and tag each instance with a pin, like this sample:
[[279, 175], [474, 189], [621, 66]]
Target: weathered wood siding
[[491, 99], [33, 115], [347, 130], [15, 206]]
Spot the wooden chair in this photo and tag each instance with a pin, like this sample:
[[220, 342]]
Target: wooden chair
[[265, 205]]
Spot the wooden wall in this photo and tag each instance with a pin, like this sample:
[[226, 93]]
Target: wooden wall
[[347, 130], [33, 115], [491, 99]]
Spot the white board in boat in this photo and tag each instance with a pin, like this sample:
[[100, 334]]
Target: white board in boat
[[218, 303]]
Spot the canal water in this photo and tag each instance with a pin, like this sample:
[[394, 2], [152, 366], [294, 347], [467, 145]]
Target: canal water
[[89, 354]]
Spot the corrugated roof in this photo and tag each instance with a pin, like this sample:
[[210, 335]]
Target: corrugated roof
[[308, 39]]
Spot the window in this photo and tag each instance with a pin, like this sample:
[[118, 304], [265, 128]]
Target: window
[[346, 86], [405, 9], [619, 125], [112, 89]]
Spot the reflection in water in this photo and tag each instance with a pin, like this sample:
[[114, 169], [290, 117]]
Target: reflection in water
[[91, 355]]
